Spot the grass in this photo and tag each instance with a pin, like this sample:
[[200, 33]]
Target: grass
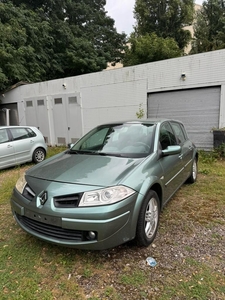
[[189, 250]]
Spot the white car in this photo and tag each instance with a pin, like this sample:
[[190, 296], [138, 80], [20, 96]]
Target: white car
[[21, 144]]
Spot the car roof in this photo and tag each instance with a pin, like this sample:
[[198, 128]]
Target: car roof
[[16, 126], [140, 121]]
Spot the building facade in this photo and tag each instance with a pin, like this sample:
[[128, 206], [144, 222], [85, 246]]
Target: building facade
[[189, 88]]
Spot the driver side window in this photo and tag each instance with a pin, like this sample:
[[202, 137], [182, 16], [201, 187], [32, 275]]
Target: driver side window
[[167, 137]]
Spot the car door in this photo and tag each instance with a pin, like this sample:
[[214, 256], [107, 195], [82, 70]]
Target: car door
[[22, 144], [7, 154], [186, 148], [172, 165]]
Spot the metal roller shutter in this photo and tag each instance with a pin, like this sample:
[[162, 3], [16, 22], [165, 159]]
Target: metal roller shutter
[[198, 109]]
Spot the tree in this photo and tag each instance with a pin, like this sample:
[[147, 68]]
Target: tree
[[25, 45], [148, 48], [209, 28], [165, 18], [48, 39]]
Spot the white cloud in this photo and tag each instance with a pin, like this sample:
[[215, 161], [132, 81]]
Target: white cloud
[[122, 12]]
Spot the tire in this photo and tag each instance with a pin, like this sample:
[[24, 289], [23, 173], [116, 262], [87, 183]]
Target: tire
[[148, 220], [194, 172], [38, 155]]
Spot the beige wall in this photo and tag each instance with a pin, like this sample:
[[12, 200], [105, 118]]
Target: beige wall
[[191, 29]]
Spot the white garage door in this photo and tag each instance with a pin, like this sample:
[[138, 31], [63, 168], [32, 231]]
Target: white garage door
[[198, 109]]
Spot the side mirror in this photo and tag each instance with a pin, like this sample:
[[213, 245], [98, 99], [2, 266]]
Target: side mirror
[[171, 150], [70, 145]]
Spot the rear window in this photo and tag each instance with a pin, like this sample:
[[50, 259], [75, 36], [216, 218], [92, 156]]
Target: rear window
[[21, 133], [179, 131]]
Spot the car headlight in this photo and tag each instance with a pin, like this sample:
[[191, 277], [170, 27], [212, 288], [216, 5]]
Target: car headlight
[[20, 185], [105, 196]]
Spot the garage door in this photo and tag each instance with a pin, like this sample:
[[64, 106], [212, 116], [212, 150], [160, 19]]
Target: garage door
[[198, 109]]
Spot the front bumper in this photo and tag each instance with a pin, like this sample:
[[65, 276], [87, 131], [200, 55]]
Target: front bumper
[[94, 228]]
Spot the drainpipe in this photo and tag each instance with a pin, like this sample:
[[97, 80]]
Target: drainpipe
[[6, 110]]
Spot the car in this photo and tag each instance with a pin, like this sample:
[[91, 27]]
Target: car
[[109, 187], [21, 144]]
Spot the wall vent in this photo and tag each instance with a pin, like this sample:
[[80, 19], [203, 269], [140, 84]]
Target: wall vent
[[61, 141], [72, 100], [29, 103], [73, 140], [58, 100], [40, 102]]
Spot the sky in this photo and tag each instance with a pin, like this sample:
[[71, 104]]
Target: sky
[[122, 12]]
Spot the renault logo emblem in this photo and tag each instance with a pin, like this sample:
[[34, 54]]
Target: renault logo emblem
[[43, 197]]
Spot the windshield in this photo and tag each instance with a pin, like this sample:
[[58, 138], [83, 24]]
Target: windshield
[[127, 140]]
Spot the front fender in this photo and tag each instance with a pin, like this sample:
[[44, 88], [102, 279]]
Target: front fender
[[149, 183]]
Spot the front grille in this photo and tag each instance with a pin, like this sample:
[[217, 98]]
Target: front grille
[[47, 230], [68, 201]]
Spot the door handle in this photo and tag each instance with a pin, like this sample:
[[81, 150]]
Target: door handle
[[190, 148], [181, 156], [9, 146]]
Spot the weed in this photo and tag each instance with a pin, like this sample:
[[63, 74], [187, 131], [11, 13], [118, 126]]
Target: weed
[[136, 278], [140, 113], [199, 285], [87, 272], [220, 151], [55, 150], [110, 293], [207, 157]]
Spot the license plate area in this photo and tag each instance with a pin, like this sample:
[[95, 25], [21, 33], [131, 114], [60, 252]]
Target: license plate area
[[51, 220]]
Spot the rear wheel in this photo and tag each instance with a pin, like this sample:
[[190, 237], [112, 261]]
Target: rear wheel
[[194, 172], [38, 155], [148, 220]]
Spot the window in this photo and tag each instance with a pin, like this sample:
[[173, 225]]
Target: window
[[31, 132], [178, 129], [19, 133], [3, 136], [40, 102], [72, 100], [167, 137], [96, 140], [128, 140], [58, 100], [29, 103]]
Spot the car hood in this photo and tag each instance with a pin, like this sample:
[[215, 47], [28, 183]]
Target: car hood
[[84, 169]]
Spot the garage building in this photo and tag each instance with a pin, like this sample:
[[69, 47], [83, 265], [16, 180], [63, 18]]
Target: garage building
[[189, 88]]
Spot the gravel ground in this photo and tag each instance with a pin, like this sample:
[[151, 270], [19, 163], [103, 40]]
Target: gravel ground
[[172, 251]]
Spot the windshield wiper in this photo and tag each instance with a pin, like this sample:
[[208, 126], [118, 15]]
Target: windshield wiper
[[108, 154], [94, 153], [74, 151]]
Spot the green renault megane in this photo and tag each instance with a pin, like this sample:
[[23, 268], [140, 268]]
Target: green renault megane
[[109, 187]]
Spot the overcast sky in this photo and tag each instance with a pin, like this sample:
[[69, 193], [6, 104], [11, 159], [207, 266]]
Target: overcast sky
[[122, 12]]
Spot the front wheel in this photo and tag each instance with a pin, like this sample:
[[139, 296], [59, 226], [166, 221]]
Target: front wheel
[[38, 155], [148, 220]]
